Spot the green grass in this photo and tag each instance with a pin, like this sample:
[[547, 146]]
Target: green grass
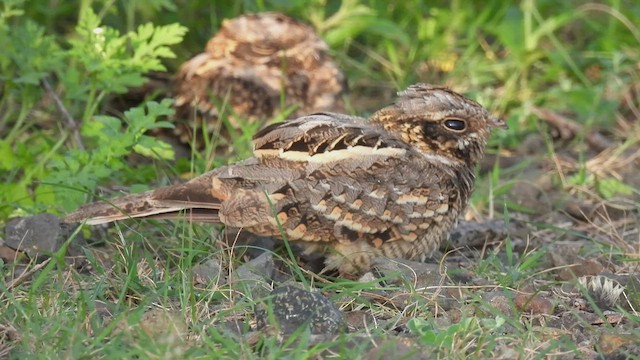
[[61, 145]]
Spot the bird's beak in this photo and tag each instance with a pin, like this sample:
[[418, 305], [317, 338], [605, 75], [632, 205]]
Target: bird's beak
[[497, 122]]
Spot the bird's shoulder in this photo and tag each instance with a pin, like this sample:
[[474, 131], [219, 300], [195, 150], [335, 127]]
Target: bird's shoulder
[[326, 137]]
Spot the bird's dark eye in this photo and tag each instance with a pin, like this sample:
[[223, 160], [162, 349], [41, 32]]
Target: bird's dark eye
[[455, 124]]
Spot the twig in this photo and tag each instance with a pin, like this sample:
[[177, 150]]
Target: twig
[[69, 120], [27, 274], [569, 128]]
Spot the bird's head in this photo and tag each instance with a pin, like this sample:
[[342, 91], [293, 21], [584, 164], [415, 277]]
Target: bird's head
[[443, 125]]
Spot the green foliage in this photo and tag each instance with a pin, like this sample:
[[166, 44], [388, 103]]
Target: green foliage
[[109, 63], [456, 336], [610, 187], [39, 171], [510, 268], [63, 176], [30, 54], [82, 170]]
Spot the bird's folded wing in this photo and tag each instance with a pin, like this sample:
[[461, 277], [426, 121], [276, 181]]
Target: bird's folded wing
[[325, 138]]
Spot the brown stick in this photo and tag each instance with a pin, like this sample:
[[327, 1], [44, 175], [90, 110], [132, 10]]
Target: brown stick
[[72, 125], [569, 128]]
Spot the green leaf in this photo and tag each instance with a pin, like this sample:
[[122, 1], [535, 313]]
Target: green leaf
[[547, 28], [351, 27], [112, 63], [29, 54], [111, 140], [154, 148], [610, 187], [8, 159]]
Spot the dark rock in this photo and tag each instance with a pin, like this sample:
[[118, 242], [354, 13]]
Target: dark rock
[[37, 235], [255, 275], [208, 272], [290, 308], [248, 243]]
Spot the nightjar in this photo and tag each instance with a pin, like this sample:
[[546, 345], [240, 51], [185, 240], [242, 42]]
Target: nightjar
[[347, 187], [256, 66]]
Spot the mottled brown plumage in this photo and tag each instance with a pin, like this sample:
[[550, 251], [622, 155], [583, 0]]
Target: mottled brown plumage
[[348, 187], [256, 63]]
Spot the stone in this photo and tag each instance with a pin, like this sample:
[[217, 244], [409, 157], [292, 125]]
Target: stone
[[208, 272], [255, 276], [289, 307], [37, 235]]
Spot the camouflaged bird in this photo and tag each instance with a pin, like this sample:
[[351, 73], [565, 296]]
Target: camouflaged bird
[[347, 187], [254, 63]]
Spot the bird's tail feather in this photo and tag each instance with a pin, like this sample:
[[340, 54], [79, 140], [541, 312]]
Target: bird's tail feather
[[183, 201]]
